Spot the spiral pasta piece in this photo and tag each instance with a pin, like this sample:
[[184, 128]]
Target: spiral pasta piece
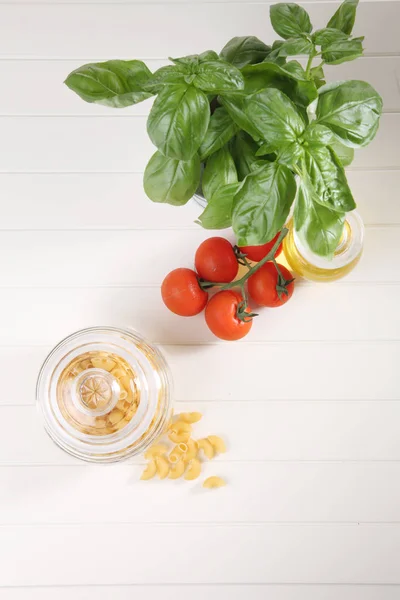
[[162, 467], [156, 450], [214, 482], [150, 470], [217, 443], [207, 448], [193, 470], [177, 470]]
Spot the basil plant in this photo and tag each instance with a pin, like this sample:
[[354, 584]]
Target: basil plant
[[254, 128]]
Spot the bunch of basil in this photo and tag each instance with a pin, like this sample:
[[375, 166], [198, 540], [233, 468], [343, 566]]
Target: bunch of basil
[[256, 131]]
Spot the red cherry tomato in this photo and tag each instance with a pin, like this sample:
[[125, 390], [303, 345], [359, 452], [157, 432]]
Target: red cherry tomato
[[257, 253], [221, 316], [215, 260], [264, 285], [182, 293]]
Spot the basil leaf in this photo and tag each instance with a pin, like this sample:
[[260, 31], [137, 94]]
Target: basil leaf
[[290, 79], [218, 212], [328, 35], [220, 170], [275, 116], [296, 46], [344, 153], [289, 20], [208, 55], [220, 130], [351, 109], [264, 149], [170, 180], [318, 227], [344, 17], [262, 204], [171, 74], [218, 76], [316, 133], [318, 76], [116, 83], [236, 108], [178, 121], [243, 149], [241, 51], [290, 154], [328, 179], [342, 51]]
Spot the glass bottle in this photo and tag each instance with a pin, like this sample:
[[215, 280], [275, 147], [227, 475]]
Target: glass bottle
[[104, 394], [305, 263]]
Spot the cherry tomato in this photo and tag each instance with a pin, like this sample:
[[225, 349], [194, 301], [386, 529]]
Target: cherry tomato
[[182, 293], [257, 253], [215, 260], [264, 285], [221, 316]]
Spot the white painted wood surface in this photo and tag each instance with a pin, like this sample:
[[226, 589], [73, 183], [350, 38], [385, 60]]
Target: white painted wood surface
[[312, 420]]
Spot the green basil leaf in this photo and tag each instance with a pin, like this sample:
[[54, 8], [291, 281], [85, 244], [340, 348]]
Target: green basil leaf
[[241, 51], [316, 133], [220, 170], [291, 154], [296, 46], [344, 17], [243, 149], [170, 180], [220, 130], [344, 153], [328, 179], [342, 51], [218, 76], [290, 79], [274, 116], [328, 35], [318, 227], [116, 83], [178, 121], [351, 109], [207, 56], [189, 62], [289, 20], [218, 212], [318, 76], [236, 107], [171, 74], [265, 148], [262, 204]]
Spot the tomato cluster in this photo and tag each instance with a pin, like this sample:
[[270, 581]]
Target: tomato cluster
[[227, 314]]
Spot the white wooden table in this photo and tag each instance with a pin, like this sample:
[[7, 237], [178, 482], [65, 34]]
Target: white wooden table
[[309, 402]]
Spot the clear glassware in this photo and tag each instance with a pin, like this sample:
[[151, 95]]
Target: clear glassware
[[305, 263], [104, 394]]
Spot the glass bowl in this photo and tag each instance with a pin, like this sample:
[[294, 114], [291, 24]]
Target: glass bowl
[[104, 394]]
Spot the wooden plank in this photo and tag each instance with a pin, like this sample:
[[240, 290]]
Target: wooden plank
[[189, 362], [96, 554], [121, 258], [254, 431], [117, 201], [57, 99], [55, 312], [212, 592], [85, 144], [255, 493], [199, 592], [121, 30]]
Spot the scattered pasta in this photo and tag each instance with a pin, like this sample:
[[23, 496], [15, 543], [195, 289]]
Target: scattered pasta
[[207, 448], [217, 443], [182, 458], [162, 467], [193, 470], [157, 450], [214, 482], [149, 471]]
